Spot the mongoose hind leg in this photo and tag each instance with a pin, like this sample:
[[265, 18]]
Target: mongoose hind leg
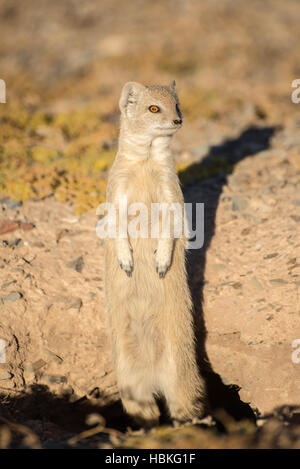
[[181, 411], [138, 397], [184, 395], [145, 413]]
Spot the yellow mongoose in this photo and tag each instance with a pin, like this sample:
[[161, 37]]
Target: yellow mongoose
[[149, 310]]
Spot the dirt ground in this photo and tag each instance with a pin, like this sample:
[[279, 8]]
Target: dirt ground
[[64, 64]]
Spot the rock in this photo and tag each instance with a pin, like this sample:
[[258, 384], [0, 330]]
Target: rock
[[6, 375], [68, 391], [54, 379], [17, 270], [61, 234], [271, 256], [236, 285], [10, 203], [239, 203], [76, 264], [62, 299], [76, 305], [278, 281], [14, 243], [4, 286], [8, 226], [13, 296], [255, 284], [17, 243], [54, 357], [37, 365], [29, 258], [245, 231], [38, 244]]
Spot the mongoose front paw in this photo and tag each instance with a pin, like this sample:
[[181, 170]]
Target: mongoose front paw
[[162, 264], [126, 264]]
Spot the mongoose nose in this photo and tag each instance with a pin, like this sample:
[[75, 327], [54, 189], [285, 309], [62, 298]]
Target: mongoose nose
[[177, 121]]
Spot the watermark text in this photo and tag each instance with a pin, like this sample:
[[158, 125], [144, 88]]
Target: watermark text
[[161, 220], [2, 91]]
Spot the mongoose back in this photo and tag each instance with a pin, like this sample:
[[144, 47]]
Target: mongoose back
[[148, 303]]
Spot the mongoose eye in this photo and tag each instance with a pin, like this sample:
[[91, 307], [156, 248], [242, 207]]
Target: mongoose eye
[[154, 109]]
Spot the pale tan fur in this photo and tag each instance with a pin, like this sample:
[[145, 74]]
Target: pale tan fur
[[149, 310]]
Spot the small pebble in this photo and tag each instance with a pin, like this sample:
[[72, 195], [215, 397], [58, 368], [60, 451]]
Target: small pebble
[[76, 264], [10, 203], [13, 296], [270, 256], [76, 305], [54, 357], [255, 283], [55, 379], [37, 365], [239, 203], [6, 375], [7, 284], [278, 281]]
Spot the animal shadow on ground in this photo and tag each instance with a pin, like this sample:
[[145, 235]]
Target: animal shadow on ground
[[57, 418], [208, 191]]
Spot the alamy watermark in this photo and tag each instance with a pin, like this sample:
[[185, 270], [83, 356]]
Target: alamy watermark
[[296, 352], [2, 351], [163, 220], [2, 91], [295, 96]]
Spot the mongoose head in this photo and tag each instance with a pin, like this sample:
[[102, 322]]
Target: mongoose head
[[150, 110]]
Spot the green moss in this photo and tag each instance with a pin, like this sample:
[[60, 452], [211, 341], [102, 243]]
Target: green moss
[[12, 152], [38, 119], [14, 114], [74, 123], [44, 154]]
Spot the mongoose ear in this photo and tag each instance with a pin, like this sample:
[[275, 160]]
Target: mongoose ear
[[173, 86], [129, 97]]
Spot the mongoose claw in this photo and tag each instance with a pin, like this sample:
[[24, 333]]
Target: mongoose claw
[[162, 262], [127, 268], [161, 270]]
